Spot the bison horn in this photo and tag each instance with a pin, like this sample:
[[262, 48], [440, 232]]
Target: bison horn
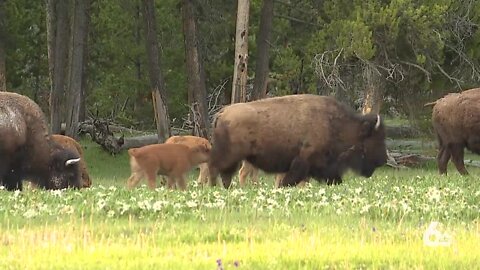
[[377, 124], [72, 161]]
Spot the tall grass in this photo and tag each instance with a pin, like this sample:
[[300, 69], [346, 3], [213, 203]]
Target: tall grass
[[375, 223]]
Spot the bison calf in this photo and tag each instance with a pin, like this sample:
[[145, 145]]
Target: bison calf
[[456, 120], [171, 160], [299, 135], [194, 141]]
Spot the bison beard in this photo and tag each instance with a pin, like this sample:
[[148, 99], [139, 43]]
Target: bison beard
[[456, 121], [26, 148], [300, 135]]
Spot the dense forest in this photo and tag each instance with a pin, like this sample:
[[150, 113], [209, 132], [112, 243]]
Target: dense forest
[[136, 61]]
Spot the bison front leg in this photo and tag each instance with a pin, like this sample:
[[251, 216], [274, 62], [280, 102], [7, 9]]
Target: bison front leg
[[298, 171]]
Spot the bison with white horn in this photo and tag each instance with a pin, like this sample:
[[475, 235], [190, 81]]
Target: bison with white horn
[[27, 151], [300, 135]]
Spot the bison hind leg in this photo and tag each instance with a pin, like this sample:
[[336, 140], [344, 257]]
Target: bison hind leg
[[457, 158], [227, 174], [442, 159], [298, 171]]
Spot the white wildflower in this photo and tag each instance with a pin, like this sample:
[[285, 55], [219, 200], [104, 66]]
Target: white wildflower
[[192, 204], [30, 213]]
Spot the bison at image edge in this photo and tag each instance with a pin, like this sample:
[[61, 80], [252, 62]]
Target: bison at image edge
[[27, 150], [300, 135], [456, 121]]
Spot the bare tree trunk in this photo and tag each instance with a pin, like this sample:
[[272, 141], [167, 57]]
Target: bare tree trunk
[[60, 64], [79, 33], [51, 32], [239, 83], [373, 97], [3, 34], [260, 83], [195, 71], [156, 77]]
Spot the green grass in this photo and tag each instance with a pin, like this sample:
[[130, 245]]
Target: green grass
[[375, 223]]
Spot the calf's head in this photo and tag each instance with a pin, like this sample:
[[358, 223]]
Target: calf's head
[[64, 169]]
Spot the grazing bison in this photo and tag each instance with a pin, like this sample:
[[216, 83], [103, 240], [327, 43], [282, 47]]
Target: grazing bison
[[300, 135], [27, 151], [172, 160], [456, 120], [72, 145], [194, 141]]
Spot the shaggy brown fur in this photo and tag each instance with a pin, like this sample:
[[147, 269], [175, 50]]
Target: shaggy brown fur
[[194, 141], [72, 145], [456, 120], [27, 150], [171, 160], [300, 135]]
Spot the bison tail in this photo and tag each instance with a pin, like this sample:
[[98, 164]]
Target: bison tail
[[430, 104], [220, 146]]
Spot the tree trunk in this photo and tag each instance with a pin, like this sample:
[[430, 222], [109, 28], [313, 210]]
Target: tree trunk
[[239, 83], [195, 72], [3, 56], [60, 65], [156, 77], [373, 97], [260, 83], [79, 33], [50, 10]]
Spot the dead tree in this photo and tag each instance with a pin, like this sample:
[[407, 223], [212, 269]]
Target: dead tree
[[157, 82], [239, 83]]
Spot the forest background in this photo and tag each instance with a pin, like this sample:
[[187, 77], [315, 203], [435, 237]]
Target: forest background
[[123, 60]]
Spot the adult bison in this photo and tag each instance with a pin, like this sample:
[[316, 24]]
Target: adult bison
[[300, 135], [456, 121], [72, 145], [27, 150]]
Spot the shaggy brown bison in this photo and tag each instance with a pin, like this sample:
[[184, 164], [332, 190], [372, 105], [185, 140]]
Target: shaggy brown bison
[[300, 135], [194, 141], [72, 145], [171, 160], [27, 150], [456, 121]]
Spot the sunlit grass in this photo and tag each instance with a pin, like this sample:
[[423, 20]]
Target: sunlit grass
[[375, 223]]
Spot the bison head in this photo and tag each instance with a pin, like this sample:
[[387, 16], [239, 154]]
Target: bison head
[[370, 151], [64, 168]]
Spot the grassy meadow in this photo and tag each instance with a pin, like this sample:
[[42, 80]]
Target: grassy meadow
[[375, 223]]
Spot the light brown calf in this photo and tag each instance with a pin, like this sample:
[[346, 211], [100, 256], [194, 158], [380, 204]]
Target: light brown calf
[[171, 160], [194, 141]]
